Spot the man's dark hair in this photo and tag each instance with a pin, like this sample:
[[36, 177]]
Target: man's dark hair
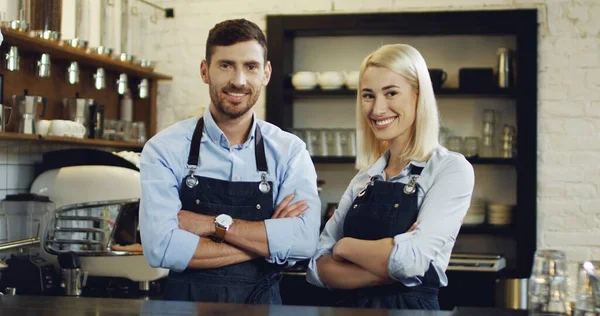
[[231, 32]]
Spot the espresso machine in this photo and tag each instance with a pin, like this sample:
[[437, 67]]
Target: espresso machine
[[90, 217], [27, 106]]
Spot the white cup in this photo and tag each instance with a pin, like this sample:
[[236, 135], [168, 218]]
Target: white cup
[[42, 127], [331, 80], [352, 79], [77, 129], [304, 80], [59, 128]]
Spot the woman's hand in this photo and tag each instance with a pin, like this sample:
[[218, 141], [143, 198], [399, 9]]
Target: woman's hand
[[343, 248], [339, 248], [129, 248]]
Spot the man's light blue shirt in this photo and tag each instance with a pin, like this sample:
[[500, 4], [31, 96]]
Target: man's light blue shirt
[[163, 166], [444, 191]]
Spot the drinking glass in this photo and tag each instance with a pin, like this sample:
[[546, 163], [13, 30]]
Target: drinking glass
[[548, 283]]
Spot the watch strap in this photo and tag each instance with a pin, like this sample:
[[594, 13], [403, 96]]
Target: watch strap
[[219, 233]]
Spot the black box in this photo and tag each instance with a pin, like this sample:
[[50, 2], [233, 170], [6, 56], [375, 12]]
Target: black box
[[477, 79]]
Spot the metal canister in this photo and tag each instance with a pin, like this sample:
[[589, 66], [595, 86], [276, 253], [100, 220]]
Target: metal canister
[[505, 73], [143, 89], [73, 73], [511, 293], [99, 79], [44, 66], [12, 59], [122, 84]]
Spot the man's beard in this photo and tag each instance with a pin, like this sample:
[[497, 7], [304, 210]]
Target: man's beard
[[237, 111]]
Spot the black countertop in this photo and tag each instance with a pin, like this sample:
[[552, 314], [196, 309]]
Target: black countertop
[[73, 306]]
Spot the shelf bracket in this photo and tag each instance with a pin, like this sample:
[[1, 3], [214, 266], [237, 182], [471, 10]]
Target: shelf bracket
[[169, 12]]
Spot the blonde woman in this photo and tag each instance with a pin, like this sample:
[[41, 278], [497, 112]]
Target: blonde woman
[[389, 242]]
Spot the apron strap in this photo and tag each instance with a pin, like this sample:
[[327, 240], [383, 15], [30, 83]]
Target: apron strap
[[194, 156], [259, 151], [259, 147], [416, 170]]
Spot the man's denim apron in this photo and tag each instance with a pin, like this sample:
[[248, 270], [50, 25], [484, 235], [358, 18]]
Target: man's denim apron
[[251, 282]]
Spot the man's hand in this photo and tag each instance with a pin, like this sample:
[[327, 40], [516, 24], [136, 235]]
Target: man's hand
[[413, 227], [199, 224], [285, 210]]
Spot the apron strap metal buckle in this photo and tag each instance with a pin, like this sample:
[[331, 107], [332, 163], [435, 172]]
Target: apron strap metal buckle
[[264, 185], [191, 181], [411, 186], [364, 190]]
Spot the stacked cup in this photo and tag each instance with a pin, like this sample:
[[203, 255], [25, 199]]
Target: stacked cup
[[476, 213], [500, 214]]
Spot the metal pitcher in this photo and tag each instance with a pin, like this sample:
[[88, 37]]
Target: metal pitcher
[[73, 281], [3, 120]]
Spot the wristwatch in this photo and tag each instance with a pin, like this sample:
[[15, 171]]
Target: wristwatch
[[222, 224]]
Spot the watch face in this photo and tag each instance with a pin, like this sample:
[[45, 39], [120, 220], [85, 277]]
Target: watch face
[[224, 220]]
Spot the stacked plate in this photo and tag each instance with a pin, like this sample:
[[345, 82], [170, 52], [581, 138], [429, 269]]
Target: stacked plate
[[500, 214], [476, 213]]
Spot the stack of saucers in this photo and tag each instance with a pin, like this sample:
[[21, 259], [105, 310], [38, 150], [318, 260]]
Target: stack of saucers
[[476, 213], [500, 214]]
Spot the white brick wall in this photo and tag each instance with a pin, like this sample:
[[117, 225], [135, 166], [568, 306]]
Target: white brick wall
[[569, 93]]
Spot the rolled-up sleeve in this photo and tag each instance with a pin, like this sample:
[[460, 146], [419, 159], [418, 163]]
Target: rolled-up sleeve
[[440, 217], [333, 231], [294, 239], [164, 244]]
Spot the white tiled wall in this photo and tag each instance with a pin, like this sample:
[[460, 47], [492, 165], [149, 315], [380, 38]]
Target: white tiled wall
[[17, 159], [16, 172]]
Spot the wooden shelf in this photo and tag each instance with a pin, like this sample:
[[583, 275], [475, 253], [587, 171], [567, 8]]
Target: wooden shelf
[[333, 159], [343, 92], [18, 136], [487, 229], [70, 140], [497, 92], [492, 161], [315, 93], [59, 51], [473, 160]]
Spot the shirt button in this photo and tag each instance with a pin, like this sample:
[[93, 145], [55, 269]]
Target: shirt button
[[197, 201], [258, 206], [396, 205]]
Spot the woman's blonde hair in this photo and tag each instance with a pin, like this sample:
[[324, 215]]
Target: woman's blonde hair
[[406, 61]]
